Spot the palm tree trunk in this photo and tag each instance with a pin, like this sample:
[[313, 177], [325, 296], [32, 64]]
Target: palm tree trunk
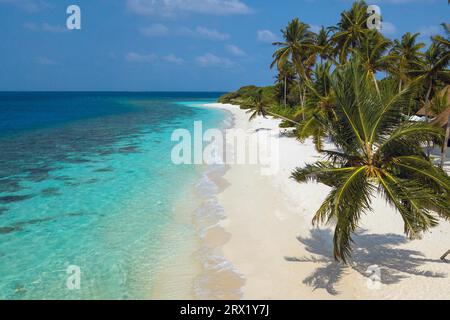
[[400, 86], [429, 92], [304, 100], [285, 91], [445, 255], [301, 98], [444, 147], [300, 92], [282, 117], [427, 99], [375, 82]]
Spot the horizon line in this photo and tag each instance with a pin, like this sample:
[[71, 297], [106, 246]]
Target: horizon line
[[117, 91]]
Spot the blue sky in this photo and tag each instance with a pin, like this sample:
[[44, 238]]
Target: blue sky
[[169, 45]]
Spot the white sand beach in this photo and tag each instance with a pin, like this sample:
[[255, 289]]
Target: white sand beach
[[271, 243]]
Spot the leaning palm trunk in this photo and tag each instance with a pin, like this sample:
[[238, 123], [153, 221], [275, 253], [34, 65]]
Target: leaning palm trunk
[[445, 255], [258, 108], [444, 147], [282, 117], [301, 99], [427, 99], [304, 100], [375, 82], [285, 91]]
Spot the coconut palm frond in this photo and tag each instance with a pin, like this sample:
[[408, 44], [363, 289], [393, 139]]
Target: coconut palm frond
[[378, 151]]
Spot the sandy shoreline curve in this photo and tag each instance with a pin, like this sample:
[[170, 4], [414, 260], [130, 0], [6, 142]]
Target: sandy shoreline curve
[[267, 237]]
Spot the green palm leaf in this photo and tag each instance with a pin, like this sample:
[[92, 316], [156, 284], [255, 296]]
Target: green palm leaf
[[378, 151]]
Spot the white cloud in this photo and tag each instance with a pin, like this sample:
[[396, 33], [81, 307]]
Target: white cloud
[[173, 7], [185, 32], [211, 60], [401, 1], [173, 59], [266, 36], [202, 32], [44, 27], [315, 28], [429, 31], [160, 30], [141, 58], [46, 61], [211, 34], [151, 58], [30, 6], [388, 28], [236, 51], [155, 30]]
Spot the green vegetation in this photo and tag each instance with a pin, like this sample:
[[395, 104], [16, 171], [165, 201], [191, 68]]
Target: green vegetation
[[359, 89], [243, 94]]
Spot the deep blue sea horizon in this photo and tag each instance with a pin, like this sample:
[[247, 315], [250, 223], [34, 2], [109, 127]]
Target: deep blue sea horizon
[[86, 180], [19, 107]]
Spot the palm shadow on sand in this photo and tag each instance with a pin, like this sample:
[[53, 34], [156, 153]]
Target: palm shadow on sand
[[372, 249]]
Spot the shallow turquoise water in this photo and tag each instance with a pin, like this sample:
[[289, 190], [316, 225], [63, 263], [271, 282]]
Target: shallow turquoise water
[[95, 189]]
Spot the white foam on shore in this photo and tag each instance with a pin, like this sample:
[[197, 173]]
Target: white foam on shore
[[219, 279]]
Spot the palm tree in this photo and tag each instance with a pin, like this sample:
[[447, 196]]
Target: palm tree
[[440, 102], [371, 54], [298, 48], [432, 69], [351, 30], [323, 44], [443, 40], [378, 152], [257, 106], [406, 53], [319, 108], [286, 74]]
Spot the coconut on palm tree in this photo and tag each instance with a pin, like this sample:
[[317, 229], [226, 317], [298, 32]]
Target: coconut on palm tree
[[378, 152]]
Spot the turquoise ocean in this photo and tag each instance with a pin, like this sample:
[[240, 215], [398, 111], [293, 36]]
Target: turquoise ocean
[[86, 180]]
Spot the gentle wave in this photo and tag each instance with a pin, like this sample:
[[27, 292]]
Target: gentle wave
[[219, 279]]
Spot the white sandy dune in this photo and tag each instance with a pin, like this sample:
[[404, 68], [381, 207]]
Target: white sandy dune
[[274, 246]]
